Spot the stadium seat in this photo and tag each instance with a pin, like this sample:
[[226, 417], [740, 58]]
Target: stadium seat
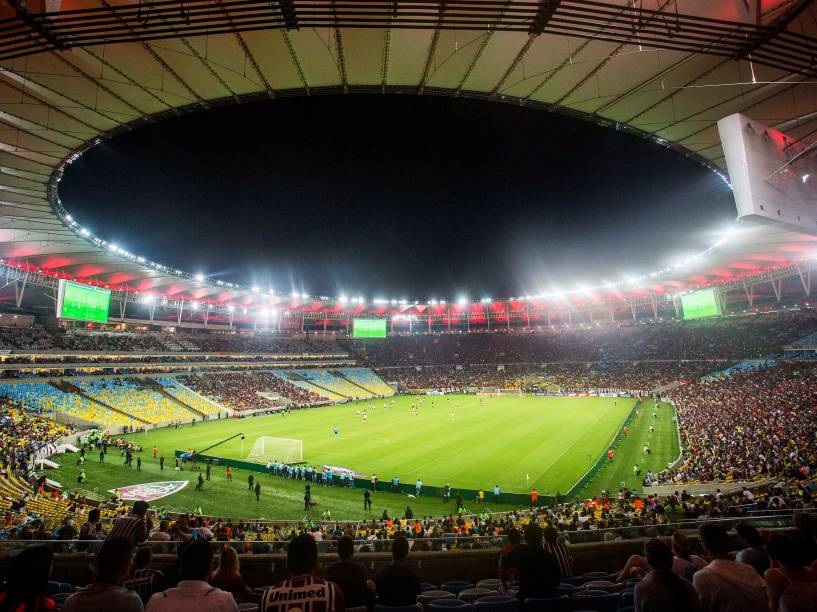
[[568, 589], [489, 583], [627, 598], [599, 601], [427, 597], [552, 604], [455, 586], [602, 585], [472, 594], [439, 604], [588, 576], [496, 603], [427, 586], [412, 608]]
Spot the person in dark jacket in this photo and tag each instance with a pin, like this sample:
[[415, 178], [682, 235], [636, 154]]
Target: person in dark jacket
[[350, 576], [538, 569], [397, 585]]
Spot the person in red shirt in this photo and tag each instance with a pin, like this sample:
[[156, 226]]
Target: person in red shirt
[[534, 497], [229, 474], [610, 455], [154, 452]]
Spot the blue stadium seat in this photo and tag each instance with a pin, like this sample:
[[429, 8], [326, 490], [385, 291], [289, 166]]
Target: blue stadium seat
[[551, 604], [446, 604], [598, 601], [382, 608], [471, 595], [496, 603], [427, 597], [455, 586], [568, 589], [489, 583], [627, 598]]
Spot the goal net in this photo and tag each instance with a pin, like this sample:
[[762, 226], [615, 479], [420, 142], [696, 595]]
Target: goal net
[[267, 448]]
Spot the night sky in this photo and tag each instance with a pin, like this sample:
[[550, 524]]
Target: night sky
[[396, 197]]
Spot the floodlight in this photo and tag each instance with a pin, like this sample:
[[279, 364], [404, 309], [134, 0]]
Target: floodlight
[[462, 301], [199, 277], [194, 305], [255, 289], [342, 299], [295, 294]]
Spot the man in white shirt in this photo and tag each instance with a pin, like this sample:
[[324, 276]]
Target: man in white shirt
[[194, 593], [725, 585]]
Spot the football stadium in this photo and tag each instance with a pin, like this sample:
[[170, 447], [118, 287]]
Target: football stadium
[[178, 437]]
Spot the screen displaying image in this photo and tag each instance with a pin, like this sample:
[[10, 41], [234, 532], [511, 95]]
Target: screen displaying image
[[700, 304], [368, 328], [82, 302]]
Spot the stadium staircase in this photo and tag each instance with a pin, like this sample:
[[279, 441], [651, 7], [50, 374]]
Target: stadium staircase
[[366, 379], [155, 386], [299, 380], [354, 383], [68, 387]]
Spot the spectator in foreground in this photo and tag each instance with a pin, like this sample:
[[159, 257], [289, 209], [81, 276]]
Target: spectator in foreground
[[792, 586], [684, 563], [397, 584], [538, 569], [725, 585], [753, 553], [228, 577], [350, 576], [111, 568], [662, 590], [135, 527], [27, 582], [194, 593], [303, 591], [556, 545]]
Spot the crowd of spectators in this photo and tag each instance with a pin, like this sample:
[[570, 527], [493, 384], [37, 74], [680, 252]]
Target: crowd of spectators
[[240, 390], [748, 425], [23, 434], [738, 337], [612, 377]]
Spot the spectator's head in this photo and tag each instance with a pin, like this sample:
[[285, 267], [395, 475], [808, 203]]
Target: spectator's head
[[550, 533], [400, 548], [142, 558], [93, 516], [302, 554], [113, 560], [140, 508], [749, 535], [658, 555], [786, 552], [533, 534], [28, 577], [196, 561], [714, 539], [346, 548], [228, 564], [514, 537], [680, 545]]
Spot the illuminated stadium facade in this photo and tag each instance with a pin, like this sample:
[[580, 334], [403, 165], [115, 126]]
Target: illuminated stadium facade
[[77, 73]]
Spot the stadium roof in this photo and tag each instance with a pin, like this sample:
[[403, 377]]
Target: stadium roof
[[76, 72]]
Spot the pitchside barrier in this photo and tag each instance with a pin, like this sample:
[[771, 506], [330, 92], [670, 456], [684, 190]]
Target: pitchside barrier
[[590, 474], [469, 495]]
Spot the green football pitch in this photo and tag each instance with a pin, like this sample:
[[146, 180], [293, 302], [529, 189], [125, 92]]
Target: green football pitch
[[468, 441]]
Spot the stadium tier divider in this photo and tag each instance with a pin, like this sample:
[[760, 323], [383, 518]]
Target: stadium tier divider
[[602, 460], [384, 486]]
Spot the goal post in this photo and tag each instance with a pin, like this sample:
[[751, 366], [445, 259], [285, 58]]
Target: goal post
[[268, 448]]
